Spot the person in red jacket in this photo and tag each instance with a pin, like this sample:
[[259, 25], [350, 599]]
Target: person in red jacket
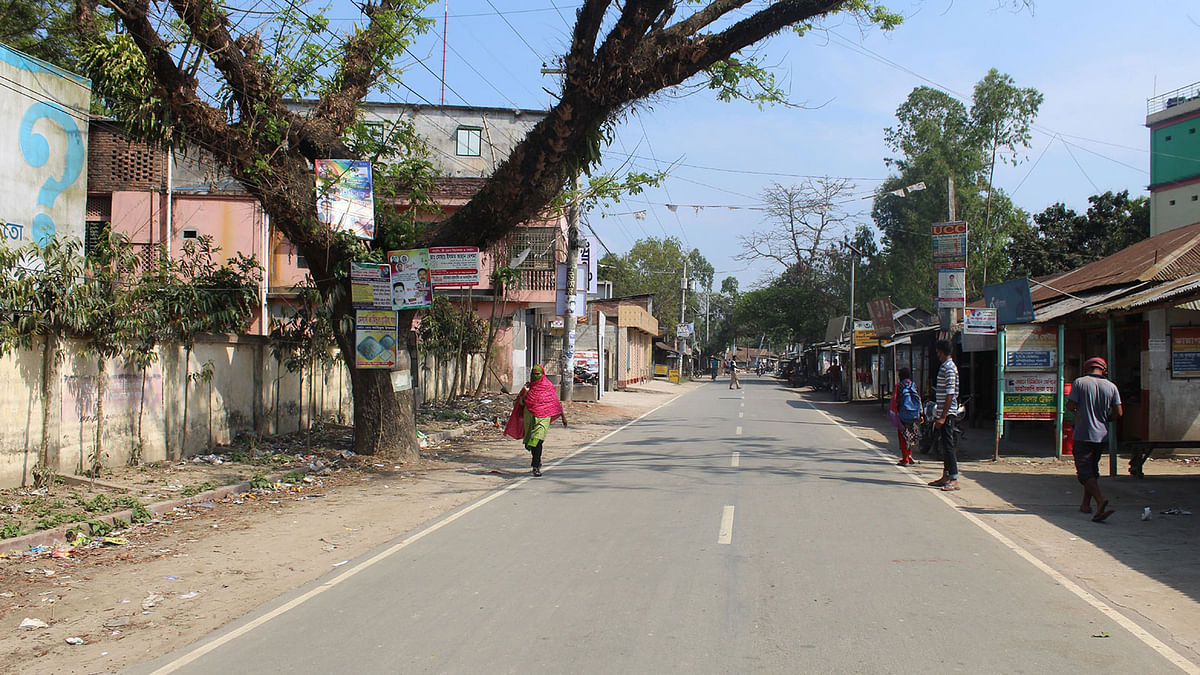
[[906, 433]]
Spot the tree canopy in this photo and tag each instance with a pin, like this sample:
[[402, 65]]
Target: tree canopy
[[1062, 240]]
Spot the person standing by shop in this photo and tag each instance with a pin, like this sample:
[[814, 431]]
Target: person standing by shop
[[905, 411], [835, 379], [945, 423], [1096, 401]]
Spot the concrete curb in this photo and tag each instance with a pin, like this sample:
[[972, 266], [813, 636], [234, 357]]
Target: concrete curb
[[58, 535]]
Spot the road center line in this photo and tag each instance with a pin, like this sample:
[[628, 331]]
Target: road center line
[[738, 432], [1061, 579], [725, 536], [742, 404], [735, 460], [740, 415]]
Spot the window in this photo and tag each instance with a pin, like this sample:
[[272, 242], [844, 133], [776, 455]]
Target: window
[[1192, 130], [539, 241], [468, 141], [375, 131], [301, 262], [1167, 138], [1171, 203], [1194, 197], [190, 233]]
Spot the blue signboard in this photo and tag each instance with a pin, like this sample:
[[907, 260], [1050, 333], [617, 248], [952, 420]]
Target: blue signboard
[[1011, 300]]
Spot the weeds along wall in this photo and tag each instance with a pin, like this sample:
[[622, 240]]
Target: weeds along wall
[[247, 392]]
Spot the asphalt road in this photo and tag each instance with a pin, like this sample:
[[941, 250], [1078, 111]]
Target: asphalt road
[[727, 532]]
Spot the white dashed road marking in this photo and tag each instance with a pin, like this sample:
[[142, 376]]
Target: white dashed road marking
[[725, 535]]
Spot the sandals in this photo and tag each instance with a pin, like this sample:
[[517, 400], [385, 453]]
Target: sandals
[[950, 486], [939, 482], [1102, 513]]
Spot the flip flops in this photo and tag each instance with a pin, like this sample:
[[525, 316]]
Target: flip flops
[[1102, 513]]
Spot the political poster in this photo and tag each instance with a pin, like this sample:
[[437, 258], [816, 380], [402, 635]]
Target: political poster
[[1185, 351], [950, 245], [1030, 396], [370, 286], [1011, 300], [1029, 347], [345, 199], [979, 321], [952, 287], [411, 285], [454, 266], [375, 339]]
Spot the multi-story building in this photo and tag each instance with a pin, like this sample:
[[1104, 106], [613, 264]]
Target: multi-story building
[[1174, 121]]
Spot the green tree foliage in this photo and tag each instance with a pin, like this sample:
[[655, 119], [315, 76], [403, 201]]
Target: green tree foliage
[[41, 28], [656, 266], [206, 74], [937, 138], [1062, 240]]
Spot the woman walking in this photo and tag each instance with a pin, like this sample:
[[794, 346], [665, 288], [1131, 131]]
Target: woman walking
[[537, 405]]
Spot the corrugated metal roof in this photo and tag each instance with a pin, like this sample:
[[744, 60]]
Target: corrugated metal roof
[[1085, 299], [1183, 290], [1170, 255]]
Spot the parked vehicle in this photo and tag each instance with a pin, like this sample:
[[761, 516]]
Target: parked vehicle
[[930, 443]]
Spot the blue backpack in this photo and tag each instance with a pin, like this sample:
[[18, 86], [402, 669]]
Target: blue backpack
[[909, 408]]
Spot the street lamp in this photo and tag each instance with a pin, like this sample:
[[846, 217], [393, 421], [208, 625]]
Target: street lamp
[[853, 263]]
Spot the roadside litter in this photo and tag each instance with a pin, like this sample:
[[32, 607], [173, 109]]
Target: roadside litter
[[1176, 511]]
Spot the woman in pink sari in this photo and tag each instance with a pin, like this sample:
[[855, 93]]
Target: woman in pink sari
[[540, 405]]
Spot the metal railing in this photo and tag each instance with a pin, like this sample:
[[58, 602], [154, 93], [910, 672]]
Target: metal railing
[[1172, 98]]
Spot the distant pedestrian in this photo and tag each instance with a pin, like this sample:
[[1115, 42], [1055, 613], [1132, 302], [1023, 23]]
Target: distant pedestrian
[[536, 407], [835, 379], [905, 410], [1095, 401], [715, 366], [945, 422], [733, 378]]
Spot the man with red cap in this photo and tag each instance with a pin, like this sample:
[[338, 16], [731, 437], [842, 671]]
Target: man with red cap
[[1095, 401]]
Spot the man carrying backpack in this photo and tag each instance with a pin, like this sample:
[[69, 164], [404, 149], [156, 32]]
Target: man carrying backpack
[[905, 413]]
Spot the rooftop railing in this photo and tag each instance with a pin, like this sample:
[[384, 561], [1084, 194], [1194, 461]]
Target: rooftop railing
[[1172, 98]]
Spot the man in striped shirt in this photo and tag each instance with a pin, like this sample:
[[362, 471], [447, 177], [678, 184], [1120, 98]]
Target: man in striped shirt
[[945, 421]]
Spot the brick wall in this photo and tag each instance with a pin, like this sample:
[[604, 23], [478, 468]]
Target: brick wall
[[116, 163]]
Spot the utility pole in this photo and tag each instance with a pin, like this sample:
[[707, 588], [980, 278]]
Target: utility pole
[[853, 264], [682, 305], [567, 386]]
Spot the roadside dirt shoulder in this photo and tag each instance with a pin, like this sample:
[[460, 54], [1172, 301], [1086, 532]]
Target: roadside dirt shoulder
[[176, 581]]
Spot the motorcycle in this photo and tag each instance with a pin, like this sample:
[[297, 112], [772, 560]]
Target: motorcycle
[[930, 437]]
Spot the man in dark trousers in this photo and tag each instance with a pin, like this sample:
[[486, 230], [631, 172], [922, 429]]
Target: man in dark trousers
[[1095, 401], [945, 421]]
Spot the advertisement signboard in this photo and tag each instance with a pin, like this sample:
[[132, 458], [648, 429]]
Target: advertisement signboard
[[589, 258], [1185, 351], [370, 286], [1030, 347], [1030, 396], [44, 135], [453, 266], [952, 287], [1011, 300], [411, 285], [375, 339], [979, 321], [864, 334], [345, 200], [880, 310], [950, 245]]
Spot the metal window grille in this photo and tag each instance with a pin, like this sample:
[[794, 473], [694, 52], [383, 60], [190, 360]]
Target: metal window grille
[[539, 241]]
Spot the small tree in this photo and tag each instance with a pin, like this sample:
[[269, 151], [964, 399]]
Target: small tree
[[445, 331], [304, 338], [39, 296], [502, 278]]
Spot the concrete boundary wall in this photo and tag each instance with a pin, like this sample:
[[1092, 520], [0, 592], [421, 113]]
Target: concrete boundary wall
[[249, 393]]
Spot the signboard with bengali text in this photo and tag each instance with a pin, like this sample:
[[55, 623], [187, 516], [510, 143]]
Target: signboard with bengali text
[[454, 266], [370, 286], [1185, 351], [1030, 347], [375, 339], [1030, 396], [950, 245], [979, 321]]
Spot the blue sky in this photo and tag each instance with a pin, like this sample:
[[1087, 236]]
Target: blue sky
[[1095, 62]]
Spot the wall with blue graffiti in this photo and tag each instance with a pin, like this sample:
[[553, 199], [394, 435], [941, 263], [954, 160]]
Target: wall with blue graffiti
[[43, 145]]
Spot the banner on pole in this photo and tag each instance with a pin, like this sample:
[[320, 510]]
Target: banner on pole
[[370, 286], [1030, 396], [1030, 347], [375, 339], [979, 321], [952, 287], [950, 245]]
